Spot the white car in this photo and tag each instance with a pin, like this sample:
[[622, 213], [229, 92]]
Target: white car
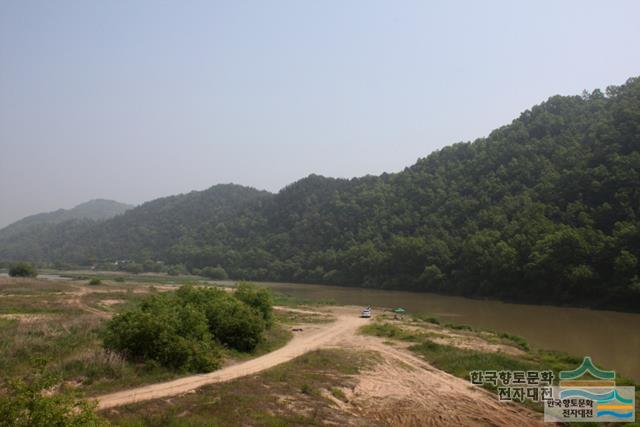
[[366, 312]]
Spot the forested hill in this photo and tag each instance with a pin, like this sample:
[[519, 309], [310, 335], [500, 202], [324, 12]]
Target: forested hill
[[544, 209], [97, 210], [147, 231]]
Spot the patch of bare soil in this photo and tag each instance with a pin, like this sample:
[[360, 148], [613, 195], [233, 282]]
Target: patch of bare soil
[[75, 299], [404, 390], [27, 317], [110, 302]]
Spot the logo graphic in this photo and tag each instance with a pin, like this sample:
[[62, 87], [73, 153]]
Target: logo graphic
[[588, 393]]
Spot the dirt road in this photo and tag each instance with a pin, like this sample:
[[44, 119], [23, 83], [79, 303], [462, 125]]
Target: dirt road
[[401, 390], [405, 390], [312, 338]]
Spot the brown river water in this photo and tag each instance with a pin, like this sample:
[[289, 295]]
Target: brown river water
[[611, 338]]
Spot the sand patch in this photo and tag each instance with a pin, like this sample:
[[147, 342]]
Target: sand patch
[[405, 390], [110, 302]]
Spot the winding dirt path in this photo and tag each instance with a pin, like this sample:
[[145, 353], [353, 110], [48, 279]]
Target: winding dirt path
[[312, 338], [401, 390]]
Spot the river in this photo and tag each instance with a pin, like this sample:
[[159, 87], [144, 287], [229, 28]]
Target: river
[[611, 338]]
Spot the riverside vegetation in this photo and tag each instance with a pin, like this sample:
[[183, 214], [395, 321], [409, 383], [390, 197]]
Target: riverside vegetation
[[186, 329], [92, 335], [66, 340], [460, 349]]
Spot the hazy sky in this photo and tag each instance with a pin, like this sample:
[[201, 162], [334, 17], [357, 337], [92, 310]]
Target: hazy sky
[[132, 100]]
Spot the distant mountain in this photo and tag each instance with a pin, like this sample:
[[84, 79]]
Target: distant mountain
[[159, 224], [152, 229], [97, 210], [545, 209]]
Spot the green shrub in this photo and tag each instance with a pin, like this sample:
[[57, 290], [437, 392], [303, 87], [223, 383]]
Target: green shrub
[[29, 403], [176, 270], [235, 324], [150, 266], [183, 330], [165, 331], [23, 269], [133, 267], [232, 322], [95, 281], [258, 298], [215, 273]]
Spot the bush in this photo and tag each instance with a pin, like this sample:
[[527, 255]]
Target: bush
[[133, 267], [232, 322], [176, 270], [23, 269], [150, 266], [235, 324], [95, 281], [30, 403], [184, 330], [215, 273], [258, 298], [164, 331]]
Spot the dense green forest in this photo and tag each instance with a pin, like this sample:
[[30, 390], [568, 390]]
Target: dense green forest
[[544, 209], [30, 233]]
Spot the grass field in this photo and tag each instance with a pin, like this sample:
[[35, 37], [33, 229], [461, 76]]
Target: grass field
[[61, 322]]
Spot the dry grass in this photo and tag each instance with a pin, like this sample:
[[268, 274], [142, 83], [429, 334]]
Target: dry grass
[[300, 392], [30, 286], [62, 322], [294, 318]]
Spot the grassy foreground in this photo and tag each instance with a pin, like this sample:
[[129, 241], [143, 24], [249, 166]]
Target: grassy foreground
[[62, 323], [293, 394]]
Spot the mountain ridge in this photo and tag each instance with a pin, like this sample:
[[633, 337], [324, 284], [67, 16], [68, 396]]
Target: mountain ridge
[[94, 209], [546, 208]]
